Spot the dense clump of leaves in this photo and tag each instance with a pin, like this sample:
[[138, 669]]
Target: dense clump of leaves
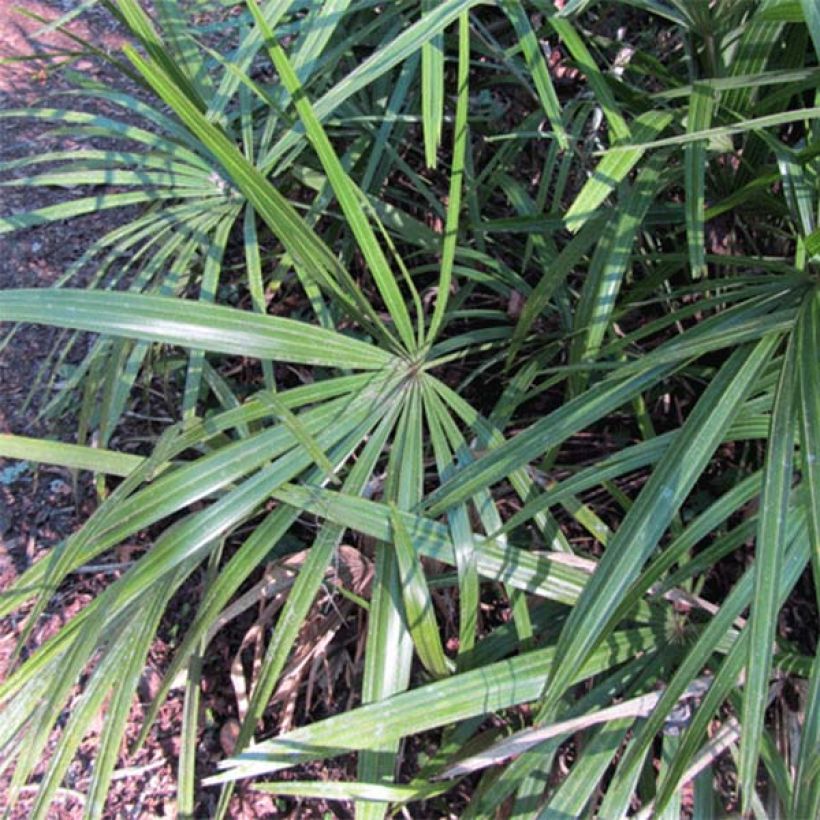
[[443, 209]]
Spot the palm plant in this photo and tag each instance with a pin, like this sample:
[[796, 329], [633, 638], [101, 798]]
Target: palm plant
[[622, 307]]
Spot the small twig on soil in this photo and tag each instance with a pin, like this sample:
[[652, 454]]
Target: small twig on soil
[[60, 792], [133, 771]]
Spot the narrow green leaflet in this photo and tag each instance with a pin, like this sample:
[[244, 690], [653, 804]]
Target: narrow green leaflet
[[119, 668], [390, 632], [479, 692], [356, 790], [797, 186], [619, 130], [701, 107], [91, 204], [813, 243], [303, 245], [131, 507], [189, 324], [609, 265], [305, 586], [537, 65], [768, 121], [207, 293], [418, 605], [118, 177], [808, 374], [377, 64], [74, 456], [460, 140], [806, 794], [432, 90], [446, 439], [135, 648], [769, 555], [756, 43], [346, 192], [519, 568], [141, 26], [182, 46], [242, 58], [650, 515], [300, 433], [554, 276], [811, 13], [613, 167], [727, 676], [573, 416], [783, 11], [576, 791]]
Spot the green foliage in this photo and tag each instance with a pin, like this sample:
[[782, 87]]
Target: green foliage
[[488, 268]]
